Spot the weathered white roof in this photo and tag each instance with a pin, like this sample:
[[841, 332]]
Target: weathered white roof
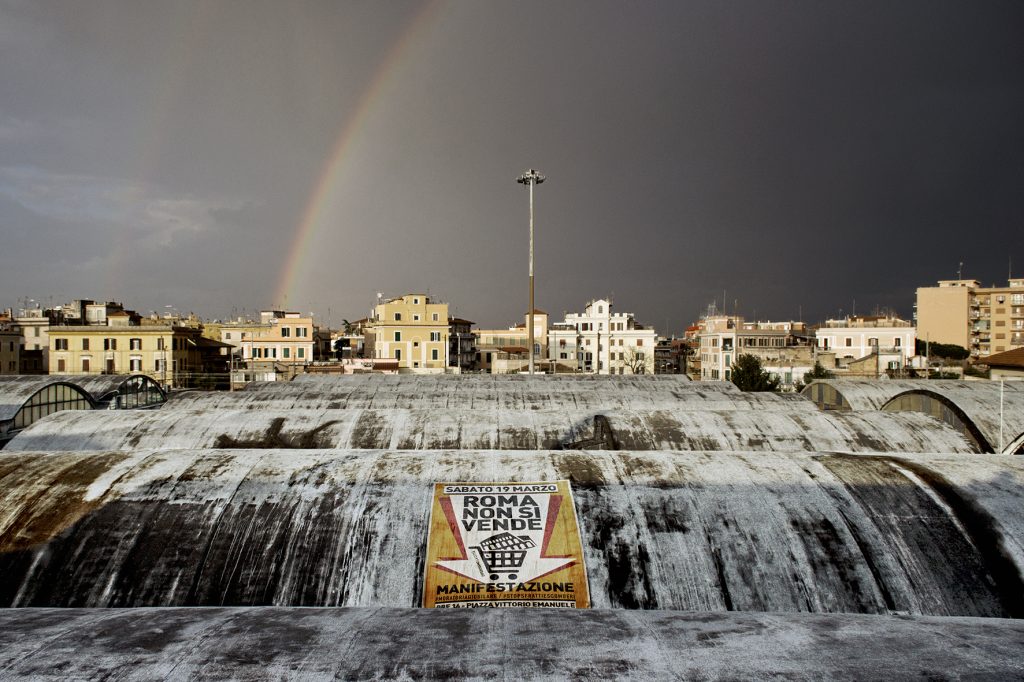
[[979, 403], [867, 394], [494, 428], [925, 534], [476, 391], [18, 388], [251, 644]]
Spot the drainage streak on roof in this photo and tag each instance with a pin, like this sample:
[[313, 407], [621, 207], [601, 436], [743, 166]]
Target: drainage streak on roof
[[494, 428], [933, 535]]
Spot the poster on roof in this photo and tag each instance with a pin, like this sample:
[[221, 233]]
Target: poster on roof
[[504, 544]]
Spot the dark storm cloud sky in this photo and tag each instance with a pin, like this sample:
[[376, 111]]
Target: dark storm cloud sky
[[795, 155]]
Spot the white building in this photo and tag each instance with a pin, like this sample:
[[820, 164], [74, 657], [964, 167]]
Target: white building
[[780, 346], [855, 338], [603, 342]]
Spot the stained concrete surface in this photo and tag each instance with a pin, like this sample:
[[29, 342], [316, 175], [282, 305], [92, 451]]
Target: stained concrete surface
[[498, 644], [925, 534]]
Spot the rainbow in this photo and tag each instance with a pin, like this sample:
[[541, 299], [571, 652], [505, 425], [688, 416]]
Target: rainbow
[[313, 215]]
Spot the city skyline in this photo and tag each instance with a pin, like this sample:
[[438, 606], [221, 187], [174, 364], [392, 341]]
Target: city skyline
[[791, 159]]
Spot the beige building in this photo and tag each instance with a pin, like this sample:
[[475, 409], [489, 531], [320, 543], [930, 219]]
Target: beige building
[[281, 343], [10, 351], [985, 320], [173, 356], [782, 347], [410, 329], [504, 351]]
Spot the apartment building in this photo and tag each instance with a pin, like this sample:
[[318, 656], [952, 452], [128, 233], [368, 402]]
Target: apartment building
[[462, 344], [281, 343], [412, 330], [602, 341], [782, 347], [171, 355], [890, 339], [10, 350], [35, 324], [984, 320], [504, 351]]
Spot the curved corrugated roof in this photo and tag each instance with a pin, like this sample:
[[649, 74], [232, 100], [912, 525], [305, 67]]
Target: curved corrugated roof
[[865, 394], [473, 392], [15, 390], [519, 644], [939, 535], [495, 428], [978, 402]]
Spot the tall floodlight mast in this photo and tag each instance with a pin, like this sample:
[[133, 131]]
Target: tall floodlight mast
[[531, 177]]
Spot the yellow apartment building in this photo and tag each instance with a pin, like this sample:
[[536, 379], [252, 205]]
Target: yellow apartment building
[[168, 354], [410, 329], [280, 340], [985, 320]]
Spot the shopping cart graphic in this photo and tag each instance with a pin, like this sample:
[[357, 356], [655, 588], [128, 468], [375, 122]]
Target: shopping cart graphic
[[504, 553]]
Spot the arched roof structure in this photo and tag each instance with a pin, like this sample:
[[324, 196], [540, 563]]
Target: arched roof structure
[[496, 428], [24, 399], [122, 391], [767, 532], [855, 394], [972, 407], [411, 644], [486, 391]]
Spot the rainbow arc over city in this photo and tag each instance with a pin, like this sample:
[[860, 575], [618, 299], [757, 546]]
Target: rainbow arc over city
[[314, 215]]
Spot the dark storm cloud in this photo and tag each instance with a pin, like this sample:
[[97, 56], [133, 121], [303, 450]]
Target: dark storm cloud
[[793, 155]]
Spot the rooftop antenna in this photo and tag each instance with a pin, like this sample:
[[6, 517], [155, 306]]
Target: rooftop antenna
[[960, 271]]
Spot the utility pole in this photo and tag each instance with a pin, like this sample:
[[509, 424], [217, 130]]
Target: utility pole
[[531, 177]]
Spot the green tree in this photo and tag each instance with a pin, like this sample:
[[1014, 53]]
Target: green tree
[[818, 372], [748, 375], [947, 351]]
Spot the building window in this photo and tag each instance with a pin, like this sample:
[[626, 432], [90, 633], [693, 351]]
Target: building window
[[398, 336], [301, 353], [85, 344], [60, 344], [415, 301], [898, 342], [434, 317], [227, 336], [398, 354], [286, 352], [433, 354], [60, 365], [85, 365], [135, 364], [109, 344], [435, 336], [398, 317], [415, 318], [134, 344], [285, 332], [639, 342], [849, 342], [160, 343]]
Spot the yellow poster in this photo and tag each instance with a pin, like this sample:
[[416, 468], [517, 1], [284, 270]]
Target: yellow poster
[[509, 544]]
